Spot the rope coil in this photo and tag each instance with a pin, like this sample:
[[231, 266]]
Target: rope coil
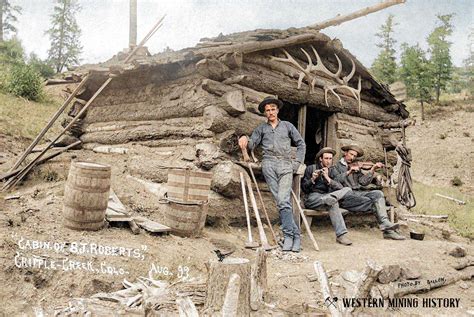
[[405, 184]]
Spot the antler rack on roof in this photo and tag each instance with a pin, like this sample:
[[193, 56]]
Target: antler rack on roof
[[309, 72]]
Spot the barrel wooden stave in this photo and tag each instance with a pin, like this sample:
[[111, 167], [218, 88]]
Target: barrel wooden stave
[[86, 196], [186, 220]]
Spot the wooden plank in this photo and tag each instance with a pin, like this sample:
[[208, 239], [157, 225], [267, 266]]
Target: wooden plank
[[302, 111], [150, 225]]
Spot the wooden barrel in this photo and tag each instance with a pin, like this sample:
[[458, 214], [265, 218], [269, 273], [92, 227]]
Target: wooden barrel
[[188, 186], [86, 196], [186, 220]]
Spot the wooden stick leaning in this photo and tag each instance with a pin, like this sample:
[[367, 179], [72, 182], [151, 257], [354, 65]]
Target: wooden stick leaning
[[48, 125], [250, 243], [249, 166], [48, 157], [261, 232], [306, 225], [263, 204], [13, 181]]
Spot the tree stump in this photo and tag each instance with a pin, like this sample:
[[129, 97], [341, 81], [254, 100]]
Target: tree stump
[[219, 274]]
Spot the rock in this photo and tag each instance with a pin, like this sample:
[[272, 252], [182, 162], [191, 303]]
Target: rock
[[351, 276], [226, 179], [409, 272], [389, 273], [463, 285], [457, 252]]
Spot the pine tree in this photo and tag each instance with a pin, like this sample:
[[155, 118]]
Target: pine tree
[[64, 34], [440, 56], [7, 18], [384, 66], [415, 71]]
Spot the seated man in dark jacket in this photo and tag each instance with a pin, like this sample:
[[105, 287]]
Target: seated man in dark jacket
[[323, 192], [349, 175]]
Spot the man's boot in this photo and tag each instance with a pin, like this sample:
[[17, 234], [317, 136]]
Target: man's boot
[[382, 216], [343, 239], [393, 235], [296, 243], [287, 244]]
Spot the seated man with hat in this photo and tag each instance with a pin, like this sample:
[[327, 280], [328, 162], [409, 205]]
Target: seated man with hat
[[276, 136], [323, 192], [350, 175]]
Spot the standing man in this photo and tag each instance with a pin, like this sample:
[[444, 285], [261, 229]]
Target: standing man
[[349, 174], [323, 192], [276, 136]]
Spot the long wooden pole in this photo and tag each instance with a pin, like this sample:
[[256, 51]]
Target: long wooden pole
[[14, 181], [306, 225], [354, 15], [50, 123], [262, 203], [261, 232], [329, 301], [48, 157]]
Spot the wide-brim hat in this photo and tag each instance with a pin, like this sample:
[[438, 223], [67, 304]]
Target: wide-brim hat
[[325, 150], [269, 100], [353, 147]]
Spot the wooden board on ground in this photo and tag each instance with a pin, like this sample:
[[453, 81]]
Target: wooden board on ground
[[116, 211], [150, 225]]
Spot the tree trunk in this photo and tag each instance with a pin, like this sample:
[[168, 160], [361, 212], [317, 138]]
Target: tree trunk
[[258, 281], [422, 110], [219, 274]]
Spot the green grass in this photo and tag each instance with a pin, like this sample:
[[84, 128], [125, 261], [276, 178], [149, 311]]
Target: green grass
[[460, 217], [24, 119]]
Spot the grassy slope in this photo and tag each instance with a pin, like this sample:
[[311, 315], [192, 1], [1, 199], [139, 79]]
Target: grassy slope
[[23, 119], [461, 217]]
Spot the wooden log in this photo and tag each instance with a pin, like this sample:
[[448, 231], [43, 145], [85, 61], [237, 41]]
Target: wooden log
[[320, 81], [262, 79], [402, 288], [326, 290], [354, 15], [226, 179], [186, 307], [217, 120], [231, 300], [404, 123], [258, 280], [364, 284], [215, 87], [233, 103], [232, 60], [233, 80], [219, 274], [213, 69]]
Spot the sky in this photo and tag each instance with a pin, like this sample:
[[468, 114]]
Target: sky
[[104, 23]]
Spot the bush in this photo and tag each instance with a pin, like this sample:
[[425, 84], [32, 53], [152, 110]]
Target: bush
[[24, 82], [40, 66]]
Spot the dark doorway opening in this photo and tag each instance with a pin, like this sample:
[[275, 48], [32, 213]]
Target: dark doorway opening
[[315, 127], [315, 132]]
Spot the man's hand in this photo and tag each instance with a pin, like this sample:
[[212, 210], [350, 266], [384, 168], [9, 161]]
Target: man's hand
[[353, 168], [377, 165], [326, 174], [315, 176], [243, 142]]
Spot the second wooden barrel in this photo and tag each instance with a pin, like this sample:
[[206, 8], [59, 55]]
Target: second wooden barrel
[[188, 186], [186, 220], [86, 196]]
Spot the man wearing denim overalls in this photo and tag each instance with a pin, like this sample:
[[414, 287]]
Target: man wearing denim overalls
[[276, 136]]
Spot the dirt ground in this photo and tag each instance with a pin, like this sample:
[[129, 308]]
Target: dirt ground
[[37, 214]]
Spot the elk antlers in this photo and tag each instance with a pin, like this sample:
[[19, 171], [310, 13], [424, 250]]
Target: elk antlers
[[309, 71]]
